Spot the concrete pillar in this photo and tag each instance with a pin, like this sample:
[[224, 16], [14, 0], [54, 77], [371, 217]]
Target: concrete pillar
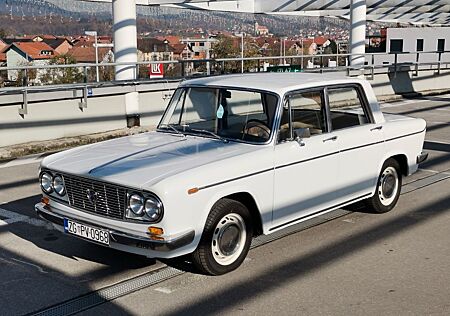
[[358, 12], [125, 38], [125, 51]]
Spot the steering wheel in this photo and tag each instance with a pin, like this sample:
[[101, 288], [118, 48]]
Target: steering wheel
[[256, 128]]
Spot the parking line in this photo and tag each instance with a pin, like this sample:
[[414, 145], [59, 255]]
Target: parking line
[[13, 217], [22, 161]]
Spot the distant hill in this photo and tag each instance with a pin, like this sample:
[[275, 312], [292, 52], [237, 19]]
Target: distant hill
[[68, 17]]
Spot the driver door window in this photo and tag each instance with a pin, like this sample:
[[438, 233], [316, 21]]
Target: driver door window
[[307, 112]]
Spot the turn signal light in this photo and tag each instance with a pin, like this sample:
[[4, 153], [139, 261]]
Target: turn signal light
[[45, 200], [193, 190], [155, 231], [156, 238]]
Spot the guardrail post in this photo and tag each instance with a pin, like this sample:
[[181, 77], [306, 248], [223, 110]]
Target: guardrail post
[[259, 65], [83, 104], [24, 107], [372, 71]]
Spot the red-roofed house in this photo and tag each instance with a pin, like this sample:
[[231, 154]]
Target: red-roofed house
[[320, 40], [86, 54], [172, 39], [261, 29], [60, 45], [27, 53], [182, 51]]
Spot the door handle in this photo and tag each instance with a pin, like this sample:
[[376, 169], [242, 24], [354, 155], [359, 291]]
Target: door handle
[[331, 138], [378, 128]]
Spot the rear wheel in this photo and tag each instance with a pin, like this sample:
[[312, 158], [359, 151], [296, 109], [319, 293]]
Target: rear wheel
[[226, 238], [388, 188]]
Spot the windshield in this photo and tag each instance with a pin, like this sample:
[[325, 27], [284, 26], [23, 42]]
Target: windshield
[[221, 113]]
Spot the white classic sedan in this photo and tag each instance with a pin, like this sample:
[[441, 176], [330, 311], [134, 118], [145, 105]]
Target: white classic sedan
[[232, 158]]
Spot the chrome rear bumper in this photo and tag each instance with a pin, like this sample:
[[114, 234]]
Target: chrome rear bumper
[[422, 157]]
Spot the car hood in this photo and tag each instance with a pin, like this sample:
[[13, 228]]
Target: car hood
[[141, 160]]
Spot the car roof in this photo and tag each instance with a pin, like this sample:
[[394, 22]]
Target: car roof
[[279, 83]]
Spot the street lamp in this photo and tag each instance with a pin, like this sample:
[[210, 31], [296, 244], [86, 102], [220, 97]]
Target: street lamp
[[94, 33]]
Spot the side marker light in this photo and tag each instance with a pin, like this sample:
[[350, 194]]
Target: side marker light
[[193, 191]]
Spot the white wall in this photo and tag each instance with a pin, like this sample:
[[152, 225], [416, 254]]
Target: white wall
[[14, 59], [430, 36]]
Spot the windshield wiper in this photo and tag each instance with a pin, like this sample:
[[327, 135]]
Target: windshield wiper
[[204, 131], [173, 129]]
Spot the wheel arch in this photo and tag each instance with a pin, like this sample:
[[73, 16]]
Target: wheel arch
[[250, 203], [402, 160]]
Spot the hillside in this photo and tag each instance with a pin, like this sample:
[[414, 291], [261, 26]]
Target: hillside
[[61, 17]]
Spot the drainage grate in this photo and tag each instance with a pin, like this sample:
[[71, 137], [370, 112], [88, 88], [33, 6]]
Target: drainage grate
[[109, 293]]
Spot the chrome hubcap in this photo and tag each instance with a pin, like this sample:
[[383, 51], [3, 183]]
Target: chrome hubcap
[[388, 186], [229, 239]]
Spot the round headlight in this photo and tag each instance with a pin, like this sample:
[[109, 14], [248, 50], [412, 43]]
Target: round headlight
[[46, 182], [153, 209], [136, 204], [58, 185]]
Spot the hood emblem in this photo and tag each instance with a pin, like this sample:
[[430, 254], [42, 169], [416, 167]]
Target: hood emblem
[[91, 196]]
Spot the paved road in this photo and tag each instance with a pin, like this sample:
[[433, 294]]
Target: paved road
[[360, 263]]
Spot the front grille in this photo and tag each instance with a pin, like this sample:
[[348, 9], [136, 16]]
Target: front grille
[[105, 199]]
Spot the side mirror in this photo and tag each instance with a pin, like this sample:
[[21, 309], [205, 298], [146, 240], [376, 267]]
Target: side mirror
[[300, 134]]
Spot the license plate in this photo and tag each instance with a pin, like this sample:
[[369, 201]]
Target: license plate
[[86, 232]]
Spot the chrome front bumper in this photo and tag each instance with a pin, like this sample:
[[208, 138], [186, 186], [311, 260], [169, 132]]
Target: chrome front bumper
[[127, 242]]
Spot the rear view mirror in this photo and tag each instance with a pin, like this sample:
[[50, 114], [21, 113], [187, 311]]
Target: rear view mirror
[[226, 94]]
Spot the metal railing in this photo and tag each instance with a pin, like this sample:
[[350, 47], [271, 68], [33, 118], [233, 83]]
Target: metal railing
[[375, 63], [176, 69]]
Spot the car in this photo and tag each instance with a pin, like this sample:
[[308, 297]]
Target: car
[[233, 157]]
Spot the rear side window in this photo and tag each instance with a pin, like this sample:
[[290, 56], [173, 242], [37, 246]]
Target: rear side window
[[346, 108]]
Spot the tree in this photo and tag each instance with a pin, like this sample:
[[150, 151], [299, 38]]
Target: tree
[[225, 48], [25, 76], [63, 75]]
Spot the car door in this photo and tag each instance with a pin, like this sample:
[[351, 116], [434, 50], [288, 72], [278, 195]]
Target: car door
[[360, 141], [305, 169]]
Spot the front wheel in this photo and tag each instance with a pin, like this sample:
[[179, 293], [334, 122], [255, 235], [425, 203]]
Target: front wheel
[[226, 238], [388, 188]]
